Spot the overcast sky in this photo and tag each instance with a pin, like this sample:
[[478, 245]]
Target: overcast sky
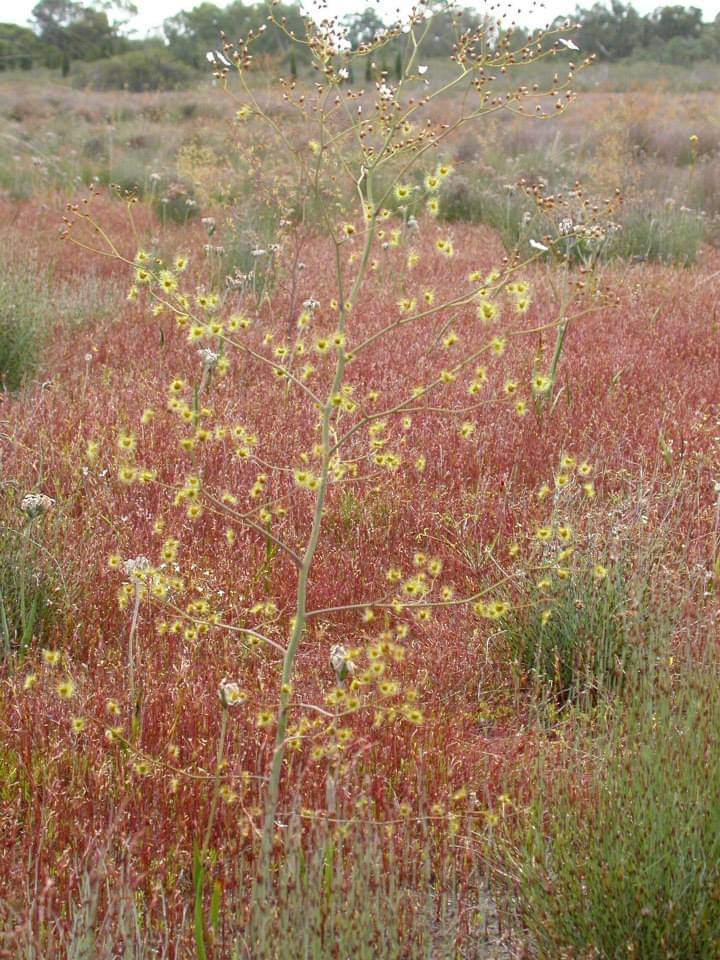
[[153, 12]]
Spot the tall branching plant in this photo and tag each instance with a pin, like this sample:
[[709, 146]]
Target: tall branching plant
[[360, 169]]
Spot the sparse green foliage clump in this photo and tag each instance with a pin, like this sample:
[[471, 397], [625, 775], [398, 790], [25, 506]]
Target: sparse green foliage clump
[[622, 853]]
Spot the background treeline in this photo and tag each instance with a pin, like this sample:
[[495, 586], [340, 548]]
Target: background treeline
[[91, 41]]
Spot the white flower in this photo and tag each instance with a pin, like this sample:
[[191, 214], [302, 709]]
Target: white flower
[[343, 73], [135, 567], [258, 252], [230, 693], [566, 226], [568, 43], [311, 304], [539, 246], [209, 359], [341, 663], [36, 504], [422, 70]]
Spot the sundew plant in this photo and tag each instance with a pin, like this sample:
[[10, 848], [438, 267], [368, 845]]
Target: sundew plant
[[285, 417]]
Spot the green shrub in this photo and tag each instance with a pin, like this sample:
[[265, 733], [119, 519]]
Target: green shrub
[[136, 71], [621, 856], [670, 235], [28, 591], [506, 211], [174, 202], [22, 326], [592, 640]]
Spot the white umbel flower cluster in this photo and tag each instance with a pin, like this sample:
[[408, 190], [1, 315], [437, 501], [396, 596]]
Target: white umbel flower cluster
[[36, 504]]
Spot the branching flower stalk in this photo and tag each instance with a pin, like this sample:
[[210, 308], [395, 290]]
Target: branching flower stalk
[[366, 159]]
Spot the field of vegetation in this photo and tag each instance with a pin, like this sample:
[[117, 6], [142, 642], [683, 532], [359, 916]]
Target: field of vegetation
[[360, 528]]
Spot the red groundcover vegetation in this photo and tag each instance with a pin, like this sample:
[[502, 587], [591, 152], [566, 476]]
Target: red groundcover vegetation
[[637, 399]]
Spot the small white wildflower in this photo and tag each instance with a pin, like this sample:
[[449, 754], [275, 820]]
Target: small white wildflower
[[209, 359], [230, 693], [341, 662], [422, 70], [570, 44], [36, 504], [135, 567], [536, 245]]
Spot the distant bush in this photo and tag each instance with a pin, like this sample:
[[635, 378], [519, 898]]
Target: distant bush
[[136, 71], [670, 235]]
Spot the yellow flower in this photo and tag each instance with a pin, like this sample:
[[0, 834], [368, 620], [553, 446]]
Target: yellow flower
[[488, 311], [66, 689], [599, 571], [127, 474], [127, 442]]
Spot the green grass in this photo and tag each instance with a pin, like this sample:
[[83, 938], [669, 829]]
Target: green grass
[[30, 588], [23, 326], [621, 852], [591, 642]]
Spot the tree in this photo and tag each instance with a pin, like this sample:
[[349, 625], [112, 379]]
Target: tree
[[611, 32], [73, 31], [362, 27], [19, 47], [676, 21], [191, 33]]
